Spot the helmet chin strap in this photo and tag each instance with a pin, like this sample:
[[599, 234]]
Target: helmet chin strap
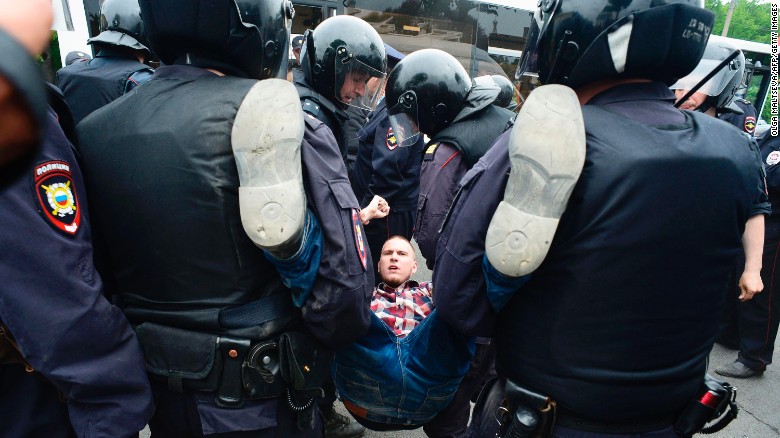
[[704, 107]]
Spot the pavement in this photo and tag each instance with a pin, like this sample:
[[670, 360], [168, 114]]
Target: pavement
[[758, 398]]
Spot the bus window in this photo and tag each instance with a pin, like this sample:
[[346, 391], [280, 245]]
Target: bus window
[[306, 17], [485, 38], [502, 32], [413, 25]]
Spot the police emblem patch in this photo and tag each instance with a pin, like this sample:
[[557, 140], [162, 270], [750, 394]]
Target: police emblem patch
[[359, 245], [392, 142], [57, 200], [773, 158], [750, 124]]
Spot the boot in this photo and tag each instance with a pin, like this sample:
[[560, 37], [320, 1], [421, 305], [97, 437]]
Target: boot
[[547, 152], [266, 140], [341, 426]]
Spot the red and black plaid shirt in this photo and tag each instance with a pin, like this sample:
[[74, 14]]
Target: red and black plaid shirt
[[404, 308]]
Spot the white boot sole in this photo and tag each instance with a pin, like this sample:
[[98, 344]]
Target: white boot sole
[[266, 141], [547, 152]]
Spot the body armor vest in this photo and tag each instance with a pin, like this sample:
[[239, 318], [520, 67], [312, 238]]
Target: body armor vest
[[88, 87], [599, 326], [474, 135], [165, 192]]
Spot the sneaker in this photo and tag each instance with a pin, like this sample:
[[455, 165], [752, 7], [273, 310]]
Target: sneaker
[[546, 152], [341, 426], [738, 370], [266, 139]]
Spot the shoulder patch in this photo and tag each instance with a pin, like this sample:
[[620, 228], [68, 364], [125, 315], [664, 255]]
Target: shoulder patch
[[58, 203], [392, 142], [430, 152], [311, 107], [750, 124], [360, 246]]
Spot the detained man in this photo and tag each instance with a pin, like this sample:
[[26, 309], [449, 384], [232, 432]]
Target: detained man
[[399, 301]]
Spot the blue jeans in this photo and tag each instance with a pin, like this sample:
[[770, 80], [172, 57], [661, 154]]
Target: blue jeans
[[500, 288], [300, 271], [402, 382]]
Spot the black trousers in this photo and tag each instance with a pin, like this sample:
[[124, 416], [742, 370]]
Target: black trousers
[[379, 230], [453, 421], [194, 415], [752, 326]]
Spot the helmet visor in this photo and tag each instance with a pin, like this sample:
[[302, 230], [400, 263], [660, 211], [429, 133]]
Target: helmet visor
[[714, 86], [403, 119], [354, 84]]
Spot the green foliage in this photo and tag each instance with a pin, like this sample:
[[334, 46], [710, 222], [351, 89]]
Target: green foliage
[[750, 21], [54, 47]]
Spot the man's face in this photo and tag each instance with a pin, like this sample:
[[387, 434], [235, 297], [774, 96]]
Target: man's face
[[397, 263], [693, 102], [373, 85], [354, 86]]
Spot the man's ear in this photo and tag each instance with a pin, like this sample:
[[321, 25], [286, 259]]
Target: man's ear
[[414, 267]]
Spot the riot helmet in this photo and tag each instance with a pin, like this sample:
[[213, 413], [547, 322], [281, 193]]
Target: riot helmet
[[121, 25], [721, 88], [425, 92], [248, 38], [576, 42], [340, 56], [506, 98]]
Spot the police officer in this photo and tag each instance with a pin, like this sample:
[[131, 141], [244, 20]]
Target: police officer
[[234, 263], [338, 58], [118, 66], [606, 263], [76, 56], [752, 327], [297, 46], [24, 32], [70, 365], [384, 169], [457, 114], [718, 97], [508, 97]]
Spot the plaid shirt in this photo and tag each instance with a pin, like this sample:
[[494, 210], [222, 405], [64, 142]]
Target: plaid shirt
[[404, 308]]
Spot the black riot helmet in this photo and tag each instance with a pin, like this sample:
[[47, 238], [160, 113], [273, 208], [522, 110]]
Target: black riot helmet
[[424, 93], [506, 98], [576, 42], [248, 38], [722, 87], [344, 50], [121, 25]]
